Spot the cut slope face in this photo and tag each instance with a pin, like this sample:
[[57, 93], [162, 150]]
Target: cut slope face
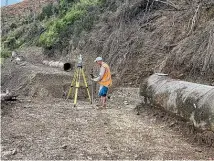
[[36, 81], [29, 77], [139, 38]]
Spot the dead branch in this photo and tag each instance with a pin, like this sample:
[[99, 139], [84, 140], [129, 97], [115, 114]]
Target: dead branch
[[150, 7], [194, 20], [169, 3], [147, 4]]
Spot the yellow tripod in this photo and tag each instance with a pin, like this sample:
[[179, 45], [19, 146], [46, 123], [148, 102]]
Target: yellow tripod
[[76, 83]]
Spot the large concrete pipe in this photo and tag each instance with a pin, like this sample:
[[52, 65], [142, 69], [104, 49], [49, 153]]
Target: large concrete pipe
[[192, 101], [58, 64]]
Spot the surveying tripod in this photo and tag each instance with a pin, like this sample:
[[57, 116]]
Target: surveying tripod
[[76, 82]]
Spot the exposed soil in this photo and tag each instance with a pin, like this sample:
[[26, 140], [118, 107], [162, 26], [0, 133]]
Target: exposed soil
[[43, 125], [54, 129]]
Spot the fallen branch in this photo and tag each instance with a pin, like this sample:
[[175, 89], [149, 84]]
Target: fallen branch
[[169, 3], [194, 19]]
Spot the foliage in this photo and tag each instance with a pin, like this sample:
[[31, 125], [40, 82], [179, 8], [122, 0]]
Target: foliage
[[25, 34], [5, 53], [65, 5], [48, 11], [71, 18], [53, 29], [13, 26], [10, 43], [17, 33]]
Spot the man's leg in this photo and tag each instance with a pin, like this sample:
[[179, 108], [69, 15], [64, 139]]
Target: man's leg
[[103, 99], [102, 93]]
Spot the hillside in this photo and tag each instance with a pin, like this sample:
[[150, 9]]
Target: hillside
[[136, 37], [140, 38], [22, 8], [158, 116]]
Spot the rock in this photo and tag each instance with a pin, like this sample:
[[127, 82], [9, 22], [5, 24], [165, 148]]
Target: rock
[[198, 150], [64, 146], [8, 153], [27, 106], [14, 151], [89, 158], [126, 103]]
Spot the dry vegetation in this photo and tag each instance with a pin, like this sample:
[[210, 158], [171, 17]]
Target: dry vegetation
[[141, 37], [135, 37]]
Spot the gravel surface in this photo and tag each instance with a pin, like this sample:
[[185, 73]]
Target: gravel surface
[[53, 129]]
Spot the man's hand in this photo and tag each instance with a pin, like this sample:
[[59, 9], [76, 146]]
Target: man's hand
[[95, 79], [92, 76]]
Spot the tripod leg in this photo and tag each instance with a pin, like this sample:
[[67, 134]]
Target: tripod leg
[[86, 85], [77, 86], [72, 84], [92, 93]]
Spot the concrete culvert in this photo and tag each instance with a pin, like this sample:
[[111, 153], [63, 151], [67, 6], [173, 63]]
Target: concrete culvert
[[192, 101], [67, 66], [58, 64]]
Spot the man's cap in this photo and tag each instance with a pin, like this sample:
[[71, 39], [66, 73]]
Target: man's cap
[[98, 59]]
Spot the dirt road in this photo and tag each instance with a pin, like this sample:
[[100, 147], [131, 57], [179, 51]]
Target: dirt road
[[54, 129]]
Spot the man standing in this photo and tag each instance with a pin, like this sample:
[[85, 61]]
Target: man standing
[[104, 79]]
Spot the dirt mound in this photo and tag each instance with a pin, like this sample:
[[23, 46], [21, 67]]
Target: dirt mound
[[29, 77], [31, 80]]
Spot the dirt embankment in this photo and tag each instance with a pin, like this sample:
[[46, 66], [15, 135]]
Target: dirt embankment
[[29, 77]]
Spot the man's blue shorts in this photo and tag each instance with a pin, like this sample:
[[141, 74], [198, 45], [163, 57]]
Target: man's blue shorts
[[103, 91]]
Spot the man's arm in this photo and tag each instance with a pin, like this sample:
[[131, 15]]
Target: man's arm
[[102, 72]]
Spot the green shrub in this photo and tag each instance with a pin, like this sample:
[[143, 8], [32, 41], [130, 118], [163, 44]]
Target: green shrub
[[5, 53], [13, 26], [47, 12], [18, 32], [4, 38], [20, 42], [10, 43], [65, 5], [59, 25]]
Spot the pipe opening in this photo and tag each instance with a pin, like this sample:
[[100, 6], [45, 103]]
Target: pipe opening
[[67, 66]]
